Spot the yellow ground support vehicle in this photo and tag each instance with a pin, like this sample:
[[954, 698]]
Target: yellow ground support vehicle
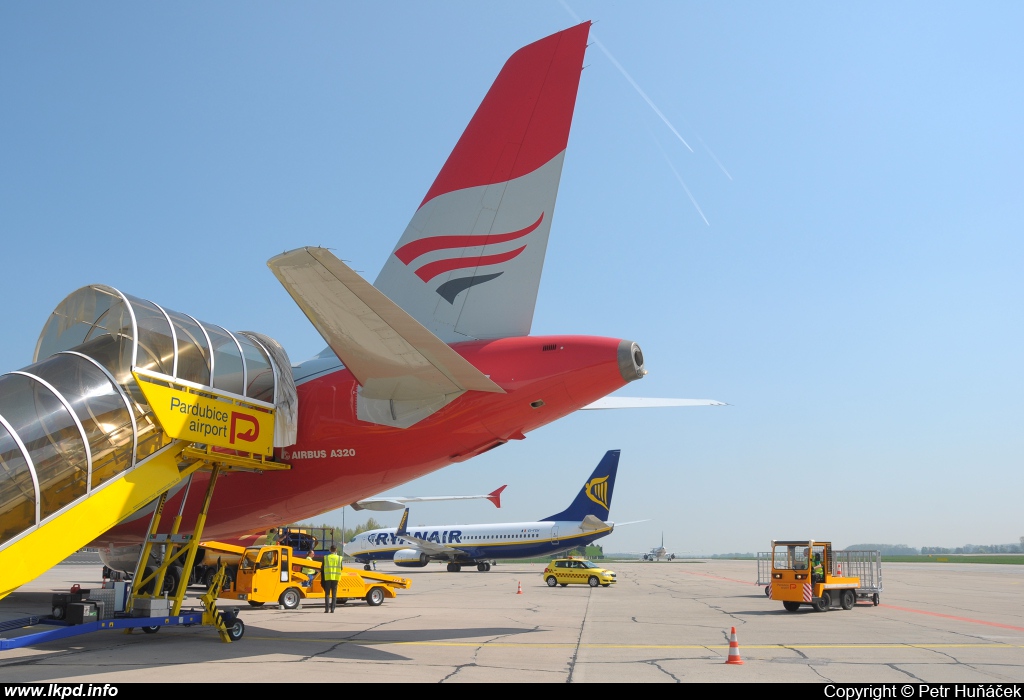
[[274, 574], [807, 572], [562, 572]]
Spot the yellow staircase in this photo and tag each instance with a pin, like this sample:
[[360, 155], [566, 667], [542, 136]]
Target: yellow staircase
[[124, 402], [75, 527]]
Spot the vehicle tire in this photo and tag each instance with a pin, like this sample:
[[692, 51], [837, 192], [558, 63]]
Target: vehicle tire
[[256, 604], [874, 599], [148, 588], [594, 582], [290, 599], [823, 603], [208, 577], [151, 630], [791, 605], [768, 591], [366, 567], [552, 581], [375, 597], [236, 630], [563, 585], [848, 599], [605, 585], [171, 578], [229, 580]]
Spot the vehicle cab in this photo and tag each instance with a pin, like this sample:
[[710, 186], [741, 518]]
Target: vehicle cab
[[804, 573], [562, 572]]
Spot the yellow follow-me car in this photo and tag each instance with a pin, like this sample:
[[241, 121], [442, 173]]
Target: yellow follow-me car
[[562, 572]]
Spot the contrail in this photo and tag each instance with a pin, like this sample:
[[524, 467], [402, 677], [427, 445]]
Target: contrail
[[714, 157], [675, 172], [688, 194], [632, 82]]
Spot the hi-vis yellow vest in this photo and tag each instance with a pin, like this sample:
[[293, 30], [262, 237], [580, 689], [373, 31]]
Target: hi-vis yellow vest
[[332, 567]]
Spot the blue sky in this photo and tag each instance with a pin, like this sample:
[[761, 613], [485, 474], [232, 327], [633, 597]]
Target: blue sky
[[850, 284]]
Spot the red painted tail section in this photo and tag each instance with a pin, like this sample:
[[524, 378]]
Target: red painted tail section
[[468, 265], [524, 120]]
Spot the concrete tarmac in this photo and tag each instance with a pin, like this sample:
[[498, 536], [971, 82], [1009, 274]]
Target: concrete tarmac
[[662, 622]]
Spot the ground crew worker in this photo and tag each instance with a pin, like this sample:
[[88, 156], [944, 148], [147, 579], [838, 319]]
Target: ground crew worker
[[332, 572], [309, 570], [817, 571]]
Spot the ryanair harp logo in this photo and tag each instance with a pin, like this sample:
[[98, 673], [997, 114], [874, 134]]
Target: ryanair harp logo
[[597, 491]]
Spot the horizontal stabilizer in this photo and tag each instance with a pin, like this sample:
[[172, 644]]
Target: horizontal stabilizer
[[390, 354], [635, 402], [592, 522]]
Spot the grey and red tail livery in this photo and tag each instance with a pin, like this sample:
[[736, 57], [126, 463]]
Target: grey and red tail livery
[[595, 498], [468, 265]]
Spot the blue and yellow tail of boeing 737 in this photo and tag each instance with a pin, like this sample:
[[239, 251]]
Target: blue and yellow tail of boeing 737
[[595, 498]]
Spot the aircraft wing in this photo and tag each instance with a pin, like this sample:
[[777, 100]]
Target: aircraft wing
[[431, 549], [389, 352], [637, 402], [398, 502]]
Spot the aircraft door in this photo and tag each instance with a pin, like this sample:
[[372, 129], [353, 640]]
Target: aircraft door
[[554, 534]]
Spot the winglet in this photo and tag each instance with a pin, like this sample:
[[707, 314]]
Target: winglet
[[495, 496], [402, 531]]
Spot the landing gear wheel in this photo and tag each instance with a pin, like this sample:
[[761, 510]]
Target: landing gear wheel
[[791, 605], [454, 568], [256, 604], [552, 581], [594, 582], [375, 597], [290, 599], [151, 630], [366, 567], [823, 603], [848, 599], [874, 599], [236, 630], [172, 578]]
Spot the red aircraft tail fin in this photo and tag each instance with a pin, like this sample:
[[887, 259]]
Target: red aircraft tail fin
[[469, 263]]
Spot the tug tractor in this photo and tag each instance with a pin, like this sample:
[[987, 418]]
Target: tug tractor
[[275, 574], [807, 572]]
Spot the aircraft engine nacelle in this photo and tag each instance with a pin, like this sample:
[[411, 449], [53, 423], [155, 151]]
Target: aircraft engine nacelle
[[411, 557]]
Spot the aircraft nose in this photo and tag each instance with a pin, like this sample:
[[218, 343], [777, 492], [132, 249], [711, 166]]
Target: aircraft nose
[[631, 361]]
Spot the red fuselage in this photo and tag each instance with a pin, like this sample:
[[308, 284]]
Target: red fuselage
[[339, 459]]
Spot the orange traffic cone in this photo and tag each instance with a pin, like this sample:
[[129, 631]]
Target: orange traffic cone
[[520, 591], [734, 649], [839, 569]]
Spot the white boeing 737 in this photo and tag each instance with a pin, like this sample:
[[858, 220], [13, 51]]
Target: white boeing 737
[[584, 521]]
